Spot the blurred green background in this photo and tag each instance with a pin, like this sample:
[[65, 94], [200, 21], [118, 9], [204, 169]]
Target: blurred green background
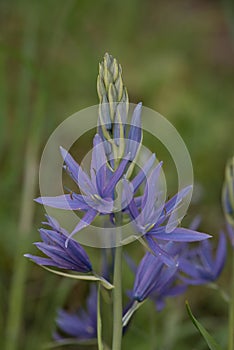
[[177, 58]]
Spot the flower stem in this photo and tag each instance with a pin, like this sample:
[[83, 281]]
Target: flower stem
[[231, 312], [117, 300], [99, 320]]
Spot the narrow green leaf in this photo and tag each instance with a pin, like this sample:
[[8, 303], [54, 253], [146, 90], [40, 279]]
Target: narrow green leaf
[[208, 338], [131, 311], [91, 278]]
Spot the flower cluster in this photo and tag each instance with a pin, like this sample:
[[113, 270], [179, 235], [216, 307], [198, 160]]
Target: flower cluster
[[168, 265], [75, 258], [200, 265]]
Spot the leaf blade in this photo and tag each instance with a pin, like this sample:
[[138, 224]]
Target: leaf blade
[[92, 278], [211, 342]]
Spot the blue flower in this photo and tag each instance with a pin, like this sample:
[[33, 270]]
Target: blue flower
[[134, 138], [81, 325], [174, 286], [72, 258], [148, 216], [97, 189], [151, 276], [201, 265], [154, 280]]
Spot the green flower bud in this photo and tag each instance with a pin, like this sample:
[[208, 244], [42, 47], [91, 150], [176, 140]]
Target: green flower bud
[[113, 104]]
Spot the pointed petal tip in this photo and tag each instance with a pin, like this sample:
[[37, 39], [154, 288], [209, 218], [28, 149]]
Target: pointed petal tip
[[48, 217], [136, 117], [38, 200], [139, 106], [202, 236], [70, 237], [128, 156], [67, 241], [97, 137], [188, 189], [63, 152]]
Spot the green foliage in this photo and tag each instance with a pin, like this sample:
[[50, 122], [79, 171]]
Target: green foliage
[[211, 342]]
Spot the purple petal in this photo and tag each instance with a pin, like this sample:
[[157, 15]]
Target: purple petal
[[104, 206], [77, 174], [128, 194], [159, 252], [84, 222], [71, 165], [205, 254], [108, 191], [66, 201], [75, 250], [173, 204], [178, 235], [75, 325], [141, 176], [52, 222], [146, 276], [98, 164], [56, 254], [220, 255], [168, 278], [133, 141], [79, 255], [195, 282], [189, 267], [150, 193], [51, 237], [177, 290], [40, 260]]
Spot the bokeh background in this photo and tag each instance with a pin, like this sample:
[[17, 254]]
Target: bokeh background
[[177, 58]]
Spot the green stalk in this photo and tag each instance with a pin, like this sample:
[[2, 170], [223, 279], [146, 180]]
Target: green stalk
[[117, 300], [231, 312], [99, 319], [111, 93]]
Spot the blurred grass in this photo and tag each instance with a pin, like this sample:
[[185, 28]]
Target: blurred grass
[[178, 58]]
